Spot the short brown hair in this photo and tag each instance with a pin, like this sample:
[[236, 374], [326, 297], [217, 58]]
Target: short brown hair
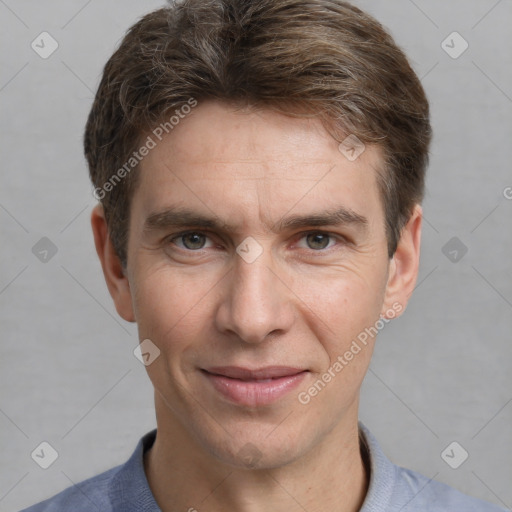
[[322, 58]]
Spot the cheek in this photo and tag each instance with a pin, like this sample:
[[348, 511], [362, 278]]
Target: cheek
[[342, 303], [343, 317], [342, 310], [170, 306]]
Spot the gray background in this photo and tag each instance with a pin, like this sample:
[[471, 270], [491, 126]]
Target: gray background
[[441, 373]]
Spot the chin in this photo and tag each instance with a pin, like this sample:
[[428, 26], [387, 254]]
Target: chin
[[253, 448]]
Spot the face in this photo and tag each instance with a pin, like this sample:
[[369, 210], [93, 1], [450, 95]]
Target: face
[[257, 255]]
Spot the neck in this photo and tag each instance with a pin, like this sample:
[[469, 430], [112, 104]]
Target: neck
[[184, 476]]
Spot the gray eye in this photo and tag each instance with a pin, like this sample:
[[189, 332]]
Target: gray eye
[[318, 241], [193, 241]]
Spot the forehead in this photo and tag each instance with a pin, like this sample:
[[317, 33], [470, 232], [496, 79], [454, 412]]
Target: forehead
[[231, 162]]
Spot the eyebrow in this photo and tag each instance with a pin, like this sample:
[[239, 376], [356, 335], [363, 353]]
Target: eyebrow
[[175, 217], [180, 217], [337, 217]]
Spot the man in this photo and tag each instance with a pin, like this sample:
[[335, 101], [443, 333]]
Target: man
[[260, 168]]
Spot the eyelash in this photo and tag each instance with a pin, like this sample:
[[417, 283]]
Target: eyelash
[[332, 236]]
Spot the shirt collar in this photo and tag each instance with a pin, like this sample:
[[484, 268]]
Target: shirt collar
[[129, 490], [382, 474]]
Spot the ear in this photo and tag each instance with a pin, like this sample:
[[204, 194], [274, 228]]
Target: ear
[[403, 266], [117, 282]]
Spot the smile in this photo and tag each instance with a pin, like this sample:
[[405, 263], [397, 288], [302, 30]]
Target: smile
[[254, 387]]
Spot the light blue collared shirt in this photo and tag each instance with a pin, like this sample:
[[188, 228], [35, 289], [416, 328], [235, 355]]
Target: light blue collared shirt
[[392, 488]]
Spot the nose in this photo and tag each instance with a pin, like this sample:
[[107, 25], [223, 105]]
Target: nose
[[256, 301]]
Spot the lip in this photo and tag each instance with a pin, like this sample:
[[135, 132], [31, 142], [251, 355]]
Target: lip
[[254, 387]]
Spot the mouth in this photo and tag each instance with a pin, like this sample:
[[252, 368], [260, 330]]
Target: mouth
[[254, 387]]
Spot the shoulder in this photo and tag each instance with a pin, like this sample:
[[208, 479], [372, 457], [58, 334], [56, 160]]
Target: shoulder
[[89, 495], [418, 493], [123, 488], [396, 489]]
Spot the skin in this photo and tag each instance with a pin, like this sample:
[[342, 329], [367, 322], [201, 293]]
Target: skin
[[298, 304]]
